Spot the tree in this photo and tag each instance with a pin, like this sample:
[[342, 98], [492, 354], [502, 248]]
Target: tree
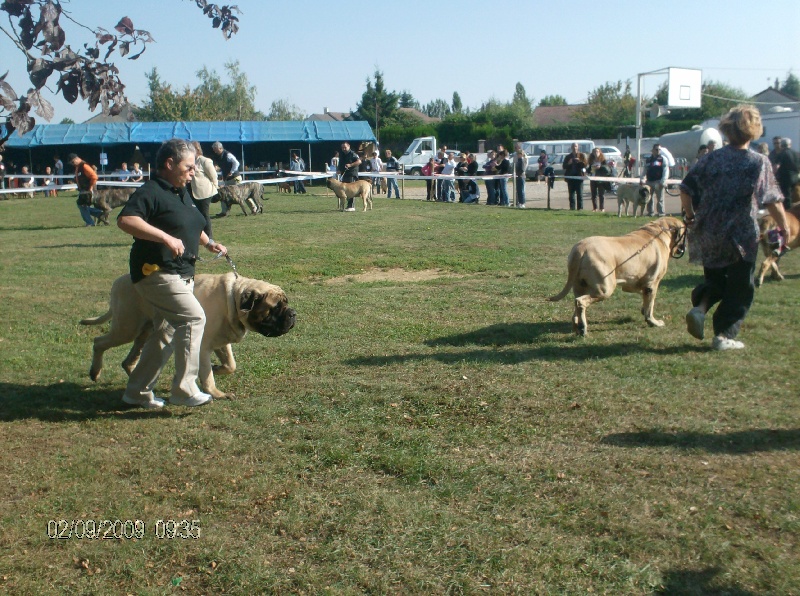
[[407, 100], [521, 101], [43, 43], [281, 110], [553, 100], [438, 108], [791, 86], [377, 104], [211, 100], [457, 105], [611, 104]]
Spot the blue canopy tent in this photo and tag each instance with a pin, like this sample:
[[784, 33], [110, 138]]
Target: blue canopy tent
[[68, 137]]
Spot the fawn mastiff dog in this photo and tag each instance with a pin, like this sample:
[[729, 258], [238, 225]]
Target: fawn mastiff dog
[[636, 262], [765, 224], [245, 192], [632, 194], [350, 190], [233, 306]]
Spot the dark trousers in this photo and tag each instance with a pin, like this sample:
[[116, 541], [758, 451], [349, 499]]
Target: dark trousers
[[202, 206], [733, 288], [598, 189], [491, 192], [429, 195], [502, 192], [575, 188]]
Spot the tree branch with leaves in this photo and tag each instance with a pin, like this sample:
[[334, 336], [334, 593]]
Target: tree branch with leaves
[[35, 29]]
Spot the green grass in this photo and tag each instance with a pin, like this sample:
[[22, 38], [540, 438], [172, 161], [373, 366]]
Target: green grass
[[448, 436]]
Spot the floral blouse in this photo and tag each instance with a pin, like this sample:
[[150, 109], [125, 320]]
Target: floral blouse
[[731, 185]]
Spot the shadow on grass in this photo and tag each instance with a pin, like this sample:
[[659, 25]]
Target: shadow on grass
[[746, 441], [681, 282], [75, 245], [503, 334], [699, 582], [577, 352], [69, 402]]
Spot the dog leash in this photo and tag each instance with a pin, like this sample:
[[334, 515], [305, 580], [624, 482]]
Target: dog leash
[[218, 256], [679, 250]]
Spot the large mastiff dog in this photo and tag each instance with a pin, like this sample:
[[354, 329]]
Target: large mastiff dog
[[350, 190], [249, 193], [632, 194], [765, 225], [107, 199], [637, 262], [233, 306]]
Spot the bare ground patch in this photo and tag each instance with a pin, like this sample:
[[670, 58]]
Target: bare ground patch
[[397, 274]]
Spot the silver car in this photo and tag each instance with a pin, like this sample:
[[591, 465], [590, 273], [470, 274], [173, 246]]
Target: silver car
[[554, 161]]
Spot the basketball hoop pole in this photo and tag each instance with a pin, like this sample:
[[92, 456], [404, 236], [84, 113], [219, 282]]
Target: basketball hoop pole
[[639, 114]]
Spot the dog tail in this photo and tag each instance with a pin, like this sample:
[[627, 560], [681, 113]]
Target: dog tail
[[571, 269], [97, 320]]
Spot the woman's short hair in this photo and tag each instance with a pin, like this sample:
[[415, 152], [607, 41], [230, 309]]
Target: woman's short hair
[[741, 124], [175, 149], [198, 150]]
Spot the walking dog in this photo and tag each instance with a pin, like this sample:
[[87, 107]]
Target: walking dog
[[108, 199], [628, 194], [249, 193], [766, 224]]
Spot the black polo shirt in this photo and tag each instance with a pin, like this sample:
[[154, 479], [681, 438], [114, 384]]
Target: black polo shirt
[[171, 210], [345, 159]]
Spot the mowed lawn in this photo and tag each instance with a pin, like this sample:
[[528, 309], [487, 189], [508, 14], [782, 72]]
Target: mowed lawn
[[430, 426]]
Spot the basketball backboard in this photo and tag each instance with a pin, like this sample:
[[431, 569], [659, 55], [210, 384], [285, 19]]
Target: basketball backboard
[[684, 88]]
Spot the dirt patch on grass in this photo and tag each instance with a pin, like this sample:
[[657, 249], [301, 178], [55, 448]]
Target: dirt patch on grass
[[397, 275]]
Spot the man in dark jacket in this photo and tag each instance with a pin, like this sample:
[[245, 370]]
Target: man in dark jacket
[[348, 168], [787, 164], [574, 166]]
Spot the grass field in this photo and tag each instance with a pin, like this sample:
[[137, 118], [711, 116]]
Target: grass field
[[430, 426]]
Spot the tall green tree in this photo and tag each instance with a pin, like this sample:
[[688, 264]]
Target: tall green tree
[[282, 111], [458, 107], [611, 104], [791, 86], [553, 100], [406, 100], [377, 104], [438, 108], [211, 100], [521, 101]]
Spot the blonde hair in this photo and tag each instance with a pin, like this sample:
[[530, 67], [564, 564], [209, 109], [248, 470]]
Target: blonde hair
[[741, 124]]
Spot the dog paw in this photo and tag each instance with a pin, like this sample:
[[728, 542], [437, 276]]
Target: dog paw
[[94, 374], [655, 323]]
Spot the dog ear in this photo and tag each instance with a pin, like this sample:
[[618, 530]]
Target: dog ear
[[248, 300]]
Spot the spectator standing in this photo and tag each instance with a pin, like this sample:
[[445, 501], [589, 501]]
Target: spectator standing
[[520, 165], [348, 168], [656, 176], [723, 232], [376, 165], [503, 169], [702, 151], [167, 232], [229, 168], [59, 172], [2, 176], [428, 170], [86, 179], [461, 171], [204, 185], [334, 163], [542, 162], [776, 149], [392, 166], [575, 167], [447, 191], [489, 169], [298, 165], [787, 165], [597, 160]]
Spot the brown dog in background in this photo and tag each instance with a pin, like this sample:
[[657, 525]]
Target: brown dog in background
[[350, 190], [767, 223], [108, 199]]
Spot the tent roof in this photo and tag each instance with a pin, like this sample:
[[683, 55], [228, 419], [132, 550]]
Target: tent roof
[[120, 133]]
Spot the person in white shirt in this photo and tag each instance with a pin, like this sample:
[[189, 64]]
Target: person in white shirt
[[377, 166], [447, 189]]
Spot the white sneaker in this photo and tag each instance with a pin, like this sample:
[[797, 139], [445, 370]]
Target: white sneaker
[[695, 321], [725, 343], [521, 206], [350, 209], [152, 404], [198, 399]]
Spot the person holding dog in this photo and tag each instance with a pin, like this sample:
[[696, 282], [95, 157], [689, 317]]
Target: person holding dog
[[348, 168], [727, 187], [167, 231], [86, 179], [229, 168]]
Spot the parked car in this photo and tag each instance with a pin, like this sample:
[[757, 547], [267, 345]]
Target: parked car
[[612, 153]]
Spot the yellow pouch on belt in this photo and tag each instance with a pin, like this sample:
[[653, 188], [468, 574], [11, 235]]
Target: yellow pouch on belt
[[147, 269]]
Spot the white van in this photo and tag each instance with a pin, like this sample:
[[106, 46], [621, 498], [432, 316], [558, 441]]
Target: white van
[[534, 148]]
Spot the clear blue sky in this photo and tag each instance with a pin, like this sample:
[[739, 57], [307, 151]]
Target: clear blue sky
[[317, 54]]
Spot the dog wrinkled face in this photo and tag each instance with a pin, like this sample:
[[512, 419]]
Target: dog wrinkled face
[[268, 314]]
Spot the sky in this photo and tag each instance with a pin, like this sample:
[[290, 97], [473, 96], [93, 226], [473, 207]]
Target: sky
[[318, 54]]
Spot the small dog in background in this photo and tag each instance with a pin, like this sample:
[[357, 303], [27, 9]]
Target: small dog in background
[[628, 194], [285, 187]]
